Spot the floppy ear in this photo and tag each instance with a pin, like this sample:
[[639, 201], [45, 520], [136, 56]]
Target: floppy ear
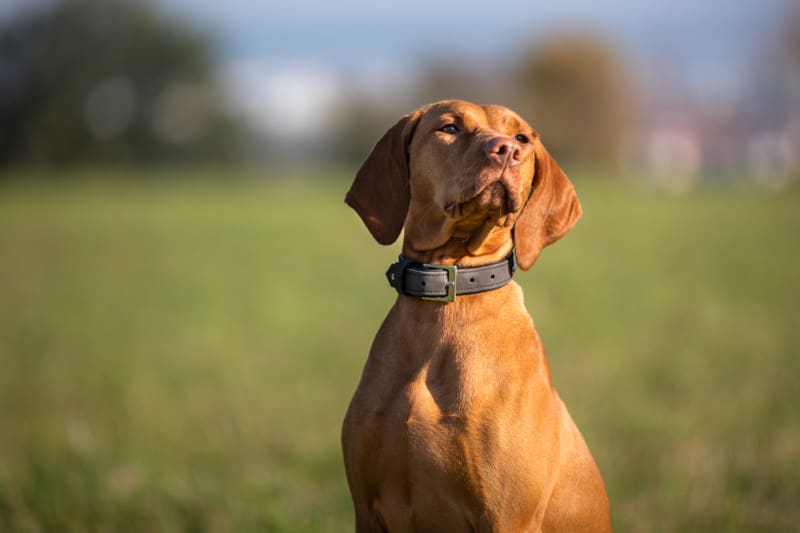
[[381, 191], [551, 211]]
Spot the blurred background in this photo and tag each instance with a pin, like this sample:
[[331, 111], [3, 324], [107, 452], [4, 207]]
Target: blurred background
[[180, 326]]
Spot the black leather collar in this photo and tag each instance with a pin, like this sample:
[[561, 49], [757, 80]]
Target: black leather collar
[[443, 283]]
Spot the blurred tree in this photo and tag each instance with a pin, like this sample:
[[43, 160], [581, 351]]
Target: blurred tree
[[360, 127], [576, 92], [479, 83], [108, 81], [790, 37]]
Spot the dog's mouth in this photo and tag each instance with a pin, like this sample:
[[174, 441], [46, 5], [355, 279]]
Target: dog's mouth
[[493, 205], [494, 198]]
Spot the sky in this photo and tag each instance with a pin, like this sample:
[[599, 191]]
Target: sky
[[298, 52], [291, 57], [347, 33]]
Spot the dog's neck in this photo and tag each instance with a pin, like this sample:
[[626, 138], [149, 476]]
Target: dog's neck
[[461, 247]]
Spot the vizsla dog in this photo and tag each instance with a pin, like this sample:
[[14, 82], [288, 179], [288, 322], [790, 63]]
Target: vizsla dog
[[455, 425]]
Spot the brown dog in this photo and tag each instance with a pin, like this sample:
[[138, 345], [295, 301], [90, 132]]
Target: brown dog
[[455, 425]]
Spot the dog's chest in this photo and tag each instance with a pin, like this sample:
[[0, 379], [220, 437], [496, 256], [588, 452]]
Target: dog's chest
[[453, 441], [462, 421]]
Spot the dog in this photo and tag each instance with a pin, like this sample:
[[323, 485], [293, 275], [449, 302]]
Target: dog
[[455, 424]]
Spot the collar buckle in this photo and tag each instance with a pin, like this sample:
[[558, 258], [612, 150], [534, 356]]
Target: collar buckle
[[450, 285]]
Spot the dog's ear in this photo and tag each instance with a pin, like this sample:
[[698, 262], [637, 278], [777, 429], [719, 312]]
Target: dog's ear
[[380, 193], [550, 212]]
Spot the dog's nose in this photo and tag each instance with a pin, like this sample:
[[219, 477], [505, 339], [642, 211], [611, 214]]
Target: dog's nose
[[503, 151]]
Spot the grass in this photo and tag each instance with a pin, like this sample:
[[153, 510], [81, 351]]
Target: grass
[[178, 355]]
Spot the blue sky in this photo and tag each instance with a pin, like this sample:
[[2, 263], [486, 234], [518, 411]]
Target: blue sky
[[301, 51], [346, 33], [711, 44]]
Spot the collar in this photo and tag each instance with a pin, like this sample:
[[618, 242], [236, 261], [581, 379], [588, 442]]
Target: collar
[[441, 283]]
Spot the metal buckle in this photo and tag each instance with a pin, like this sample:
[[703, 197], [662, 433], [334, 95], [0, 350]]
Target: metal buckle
[[452, 270]]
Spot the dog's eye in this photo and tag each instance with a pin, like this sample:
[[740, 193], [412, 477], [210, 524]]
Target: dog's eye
[[452, 129], [522, 138]]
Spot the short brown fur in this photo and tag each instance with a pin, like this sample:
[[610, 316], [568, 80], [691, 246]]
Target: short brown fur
[[455, 425]]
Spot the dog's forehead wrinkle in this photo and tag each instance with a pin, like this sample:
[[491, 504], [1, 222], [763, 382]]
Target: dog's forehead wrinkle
[[458, 109], [450, 116], [503, 119]]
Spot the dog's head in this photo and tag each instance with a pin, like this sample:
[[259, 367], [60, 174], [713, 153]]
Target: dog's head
[[465, 181]]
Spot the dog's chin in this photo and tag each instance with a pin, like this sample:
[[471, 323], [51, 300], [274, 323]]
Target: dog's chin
[[476, 218], [494, 204]]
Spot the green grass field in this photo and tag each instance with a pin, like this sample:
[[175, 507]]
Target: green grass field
[[177, 355]]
